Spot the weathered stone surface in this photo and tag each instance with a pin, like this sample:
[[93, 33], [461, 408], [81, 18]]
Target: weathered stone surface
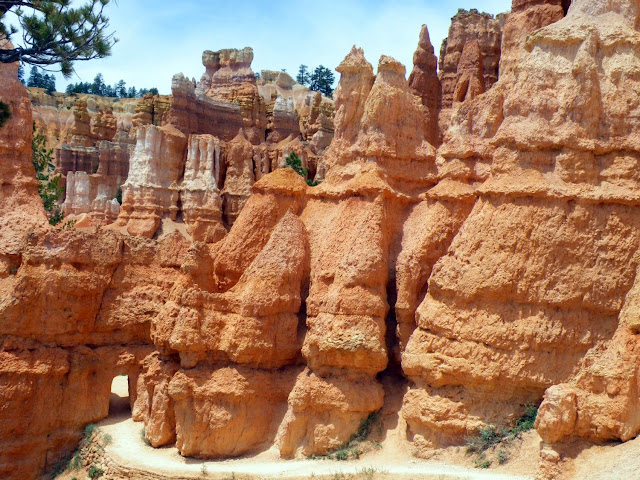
[[75, 315], [200, 189], [468, 26], [424, 82], [151, 190], [228, 77], [283, 120], [21, 210], [499, 270]]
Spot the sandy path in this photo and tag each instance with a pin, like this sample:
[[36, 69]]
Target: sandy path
[[127, 451]]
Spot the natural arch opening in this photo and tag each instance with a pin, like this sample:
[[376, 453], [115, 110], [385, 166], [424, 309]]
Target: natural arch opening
[[119, 401], [565, 6]]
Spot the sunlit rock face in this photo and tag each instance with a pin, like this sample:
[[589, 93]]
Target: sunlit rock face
[[486, 264]]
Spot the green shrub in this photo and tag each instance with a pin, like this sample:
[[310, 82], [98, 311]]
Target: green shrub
[[293, 161], [76, 461], [95, 472], [89, 430], [527, 421], [49, 186], [350, 450], [490, 436]]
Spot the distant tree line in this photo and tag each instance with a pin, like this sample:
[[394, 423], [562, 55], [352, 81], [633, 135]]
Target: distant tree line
[[99, 87], [321, 79], [38, 78]]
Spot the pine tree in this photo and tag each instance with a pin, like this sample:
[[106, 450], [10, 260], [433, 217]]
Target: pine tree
[[35, 78], [132, 93], [55, 33], [321, 80], [303, 75], [21, 73], [98, 87], [121, 89], [49, 83]]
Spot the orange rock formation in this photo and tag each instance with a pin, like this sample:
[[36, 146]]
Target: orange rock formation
[[494, 270]]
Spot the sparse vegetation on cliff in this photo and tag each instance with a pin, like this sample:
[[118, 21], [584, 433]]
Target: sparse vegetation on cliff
[[50, 186], [293, 161], [353, 448], [490, 436]]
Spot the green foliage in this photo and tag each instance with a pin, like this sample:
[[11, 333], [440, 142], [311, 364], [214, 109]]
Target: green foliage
[[503, 456], [76, 461], [89, 431], [490, 436], [55, 33], [320, 80], [100, 88], [49, 186], [96, 166], [527, 421], [482, 463], [303, 77], [95, 472], [41, 80], [119, 195], [107, 439], [5, 113], [203, 470], [293, 161], [21, 73], [351, 449]]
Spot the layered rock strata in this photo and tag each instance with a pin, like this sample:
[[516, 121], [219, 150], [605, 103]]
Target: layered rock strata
[[228, 77], [496, 271], [469, 26]]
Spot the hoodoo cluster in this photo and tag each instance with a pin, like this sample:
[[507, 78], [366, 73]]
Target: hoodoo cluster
[[475, 234]]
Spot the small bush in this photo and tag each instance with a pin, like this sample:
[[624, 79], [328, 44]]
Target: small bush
[[119, 195], [491, 436], [107, 439], [95, 472], [89, 431], [293, 161], [76, 461], [351, 449], [527, 421]]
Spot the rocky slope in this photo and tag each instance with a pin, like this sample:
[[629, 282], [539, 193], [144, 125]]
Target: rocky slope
[[483, 252]]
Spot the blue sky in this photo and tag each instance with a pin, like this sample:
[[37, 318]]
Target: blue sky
[[161, 37]]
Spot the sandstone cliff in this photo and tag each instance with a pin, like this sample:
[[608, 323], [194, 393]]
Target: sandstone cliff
[[495, 270]]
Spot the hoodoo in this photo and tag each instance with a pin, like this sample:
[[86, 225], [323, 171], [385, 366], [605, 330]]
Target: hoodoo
[[456, 249]]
